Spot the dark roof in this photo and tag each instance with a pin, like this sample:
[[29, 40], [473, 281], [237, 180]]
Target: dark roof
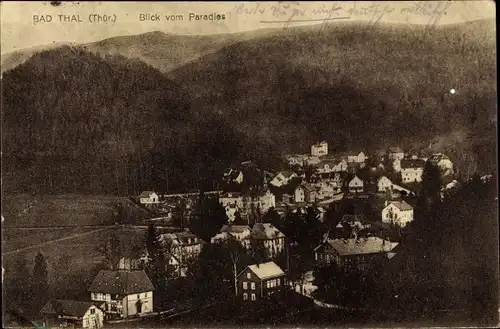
[[412, 163], [121, 282], [66, 307]]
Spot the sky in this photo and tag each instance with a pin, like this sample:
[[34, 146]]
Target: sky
[[19, 28]]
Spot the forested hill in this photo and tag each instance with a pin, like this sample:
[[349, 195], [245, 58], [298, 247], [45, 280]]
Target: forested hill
[[75, 122], [350, 84]]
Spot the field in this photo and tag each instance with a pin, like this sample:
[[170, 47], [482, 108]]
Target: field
[[70, 231], [64, 210], [72, 259]]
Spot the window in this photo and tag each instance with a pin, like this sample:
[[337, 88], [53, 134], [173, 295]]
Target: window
[[245, 296], [245, 286], [146, 295], [92, 311], [138, 296], [249, 275], [278, 282], [253, 285], [86, 322], [253, 296]]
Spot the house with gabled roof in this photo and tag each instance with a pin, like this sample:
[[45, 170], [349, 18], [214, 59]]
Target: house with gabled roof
[[356, 156], [383, 184], [240, 233], [353, 253], [283, 178], [233, 176], [355, 184], [305, 193], [397, 212], [272, 238], [72, 313], [123, 293], [149, 197], [257, 282]]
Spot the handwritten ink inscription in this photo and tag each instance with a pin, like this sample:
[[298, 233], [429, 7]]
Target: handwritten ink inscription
[[287, 13]]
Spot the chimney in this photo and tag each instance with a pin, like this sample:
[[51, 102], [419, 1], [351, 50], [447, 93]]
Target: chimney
[[386, 203]]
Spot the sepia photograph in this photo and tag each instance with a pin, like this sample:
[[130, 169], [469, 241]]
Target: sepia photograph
[[287, 163]]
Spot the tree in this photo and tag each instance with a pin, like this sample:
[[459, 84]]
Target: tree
[[40, 281], [209, 218], [156, 252], [259, 251], [111, 250], [272, 216], [17, 284]]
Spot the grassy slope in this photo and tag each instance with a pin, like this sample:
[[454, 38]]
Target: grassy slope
[[63, 210]]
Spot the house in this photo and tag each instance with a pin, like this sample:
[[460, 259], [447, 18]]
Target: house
[[71, 313], [355, 185], [319, 149], [272, 238], [149, 197], [383, 184], [185, 247], [258, 281], [235, 176], [283, 178], [341, 165], [312, 161], [240, 233], [296, 159], [395, 153], [327, 190], [412, 170], [397, 212], [443, 162], [353, 253], [305, 193], [123, 293], [356, 156], [231, 198], [262, 201]]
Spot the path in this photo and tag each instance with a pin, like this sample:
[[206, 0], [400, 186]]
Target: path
[[57, 240]]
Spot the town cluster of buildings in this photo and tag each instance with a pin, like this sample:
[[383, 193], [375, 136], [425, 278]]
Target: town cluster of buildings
[[320, 179]]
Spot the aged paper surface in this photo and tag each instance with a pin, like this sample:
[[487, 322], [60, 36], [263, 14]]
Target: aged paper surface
[[239, 163]]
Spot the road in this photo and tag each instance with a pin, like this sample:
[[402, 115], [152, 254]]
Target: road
[[53, 241]]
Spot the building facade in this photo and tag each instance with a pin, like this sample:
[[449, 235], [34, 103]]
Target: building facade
[[259, 281]]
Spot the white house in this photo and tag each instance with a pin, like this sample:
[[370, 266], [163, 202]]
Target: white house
[[355, 185], [341, 165], [231, 199], [296, 159], [396, 153], [397, 212], [327, 190], [383, 183], [283, 178], [305, 193], [123, 293], [358, 157], [312, 161], [149, 197], [443, 162], [412, 170], [67, 313], [319, 149], [240, 233], [235, 176]]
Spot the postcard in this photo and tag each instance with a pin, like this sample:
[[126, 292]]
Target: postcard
[[287, 163]]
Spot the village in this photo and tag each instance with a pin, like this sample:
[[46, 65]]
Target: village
[[320, 209]]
